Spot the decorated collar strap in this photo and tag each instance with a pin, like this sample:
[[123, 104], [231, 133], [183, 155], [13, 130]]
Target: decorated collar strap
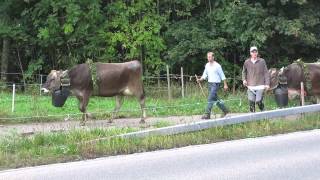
[[306, 74], [64, 79], [94, 76]]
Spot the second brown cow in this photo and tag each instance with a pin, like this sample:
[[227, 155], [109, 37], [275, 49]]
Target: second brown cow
[[295, 73]]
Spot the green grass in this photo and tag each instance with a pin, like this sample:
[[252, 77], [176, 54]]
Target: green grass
[[45, 148], [17, 150], [162, 123], [35, 108]]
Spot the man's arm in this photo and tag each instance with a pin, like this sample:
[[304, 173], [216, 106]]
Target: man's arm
[[266, 76], [244, 75], [225, 85], [223, 78], [204, 75]]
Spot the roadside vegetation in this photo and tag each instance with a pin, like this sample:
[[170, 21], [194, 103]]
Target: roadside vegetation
[[17, 150], [45, 148]]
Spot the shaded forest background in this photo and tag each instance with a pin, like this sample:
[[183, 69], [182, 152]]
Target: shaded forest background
[[39, 35]]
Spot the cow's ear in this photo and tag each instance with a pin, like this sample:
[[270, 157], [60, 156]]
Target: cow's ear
[[281, 70], [273, 71]]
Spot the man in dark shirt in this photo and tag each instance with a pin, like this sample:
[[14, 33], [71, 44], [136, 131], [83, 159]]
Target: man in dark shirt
[[256, 78]]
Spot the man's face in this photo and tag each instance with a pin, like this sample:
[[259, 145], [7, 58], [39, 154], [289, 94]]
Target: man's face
[[210, 57], [254, 53]]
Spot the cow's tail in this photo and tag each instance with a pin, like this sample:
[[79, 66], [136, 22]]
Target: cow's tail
[[143, 95]]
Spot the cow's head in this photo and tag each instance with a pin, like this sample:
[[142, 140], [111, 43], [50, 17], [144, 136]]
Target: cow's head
[[277, 77], [274, 78], [53, 80]]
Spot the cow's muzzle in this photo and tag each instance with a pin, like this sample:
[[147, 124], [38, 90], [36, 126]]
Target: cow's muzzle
[[45, 90]]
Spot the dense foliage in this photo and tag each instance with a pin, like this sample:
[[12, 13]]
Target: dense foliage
[[40, 35]]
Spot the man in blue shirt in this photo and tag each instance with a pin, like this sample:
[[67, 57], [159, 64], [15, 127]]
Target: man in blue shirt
[[214, 73]]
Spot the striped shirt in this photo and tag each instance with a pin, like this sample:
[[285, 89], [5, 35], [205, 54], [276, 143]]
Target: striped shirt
[[213, 72]]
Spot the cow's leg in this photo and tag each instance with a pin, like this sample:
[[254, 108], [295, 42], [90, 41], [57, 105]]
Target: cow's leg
[[141, 99], [83, 102], [119, 102], [318, 99]]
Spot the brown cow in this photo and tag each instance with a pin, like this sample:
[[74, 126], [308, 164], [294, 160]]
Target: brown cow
[[112, 79], [295, 74]]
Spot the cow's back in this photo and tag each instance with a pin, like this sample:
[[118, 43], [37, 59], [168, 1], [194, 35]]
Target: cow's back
[[115, 78], [80, 78], [295, 75], [314, 70]]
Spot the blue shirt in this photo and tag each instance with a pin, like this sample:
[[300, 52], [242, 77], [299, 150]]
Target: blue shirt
[[213, 72]]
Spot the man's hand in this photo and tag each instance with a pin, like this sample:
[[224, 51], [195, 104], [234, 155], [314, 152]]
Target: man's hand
[[244, 82], [266, 87], [199, 80], [225, 87]]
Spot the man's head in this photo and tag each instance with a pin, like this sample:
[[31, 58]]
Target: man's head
[[253, 52], [210, 56]]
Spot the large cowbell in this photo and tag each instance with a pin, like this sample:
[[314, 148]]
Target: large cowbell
[[60, 96], [281, 92]]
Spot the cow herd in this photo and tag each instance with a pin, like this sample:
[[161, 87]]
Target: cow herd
[[122, 79]]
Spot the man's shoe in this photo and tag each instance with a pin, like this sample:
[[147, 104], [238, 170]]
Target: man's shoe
[[225, 113], [206, 116]]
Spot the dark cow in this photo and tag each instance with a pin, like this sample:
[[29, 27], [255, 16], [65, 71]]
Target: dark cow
[[295, 74], [112, 79]]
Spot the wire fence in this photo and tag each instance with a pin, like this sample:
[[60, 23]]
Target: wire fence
[[164, 86], [152, 108], [170, 85]]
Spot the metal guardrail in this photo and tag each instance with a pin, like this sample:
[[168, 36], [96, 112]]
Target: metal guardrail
[[196, 126]]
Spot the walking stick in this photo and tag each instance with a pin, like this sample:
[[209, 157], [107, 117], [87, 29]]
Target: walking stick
[[200, 86]]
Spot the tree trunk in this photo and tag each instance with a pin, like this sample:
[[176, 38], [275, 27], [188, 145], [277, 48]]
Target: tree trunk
[[5, 59], [21, 68], [142, 57], [234, 74]]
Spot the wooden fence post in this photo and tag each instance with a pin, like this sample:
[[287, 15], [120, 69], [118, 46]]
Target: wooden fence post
[[40, 83], [159, 84], [168, 80], [182, 83], [13, 96], [302, 93]]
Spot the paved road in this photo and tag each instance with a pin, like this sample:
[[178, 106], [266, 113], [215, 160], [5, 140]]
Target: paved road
[[290, 156]]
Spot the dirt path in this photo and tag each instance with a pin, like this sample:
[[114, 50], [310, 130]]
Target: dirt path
[[151, 122]]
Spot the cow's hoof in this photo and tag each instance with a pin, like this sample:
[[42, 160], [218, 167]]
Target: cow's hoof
[[142, 121], [82, 123], [91, 116]]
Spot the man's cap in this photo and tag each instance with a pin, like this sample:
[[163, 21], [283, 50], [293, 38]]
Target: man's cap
[[253, 48]]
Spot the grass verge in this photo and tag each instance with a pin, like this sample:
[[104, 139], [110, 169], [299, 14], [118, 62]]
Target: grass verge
[[45, 148]]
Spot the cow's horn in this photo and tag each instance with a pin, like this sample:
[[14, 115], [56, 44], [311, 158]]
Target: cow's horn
[[64, 73], [281, 70]]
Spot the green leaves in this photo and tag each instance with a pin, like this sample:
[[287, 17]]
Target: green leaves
[[68, 28], [133, 31], [158, 32]]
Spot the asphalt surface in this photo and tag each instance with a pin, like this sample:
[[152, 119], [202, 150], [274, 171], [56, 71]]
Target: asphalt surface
[[288, 156]]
